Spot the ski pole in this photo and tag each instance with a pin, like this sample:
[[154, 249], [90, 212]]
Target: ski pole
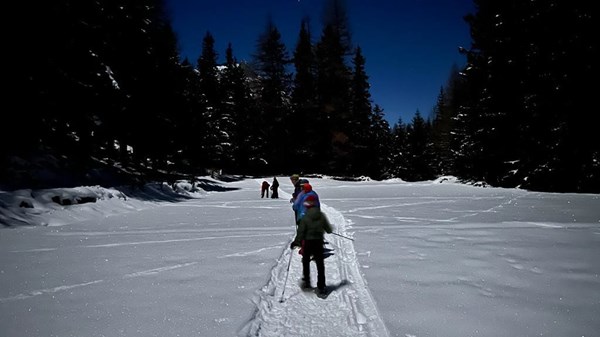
[[286, 275], [345, 237]]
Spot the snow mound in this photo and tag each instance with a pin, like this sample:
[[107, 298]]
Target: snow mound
[[63, 206]]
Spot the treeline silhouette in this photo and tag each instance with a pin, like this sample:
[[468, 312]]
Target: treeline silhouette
[[98, 91]]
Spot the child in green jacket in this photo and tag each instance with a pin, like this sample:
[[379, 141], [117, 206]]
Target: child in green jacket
[[309, 235]]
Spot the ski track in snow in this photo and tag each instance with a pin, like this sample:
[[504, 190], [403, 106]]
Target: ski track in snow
[[249, 253], [47, 291], [288, 311], [73, 286]]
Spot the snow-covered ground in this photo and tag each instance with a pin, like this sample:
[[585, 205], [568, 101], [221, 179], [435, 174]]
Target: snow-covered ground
[[438, 259]]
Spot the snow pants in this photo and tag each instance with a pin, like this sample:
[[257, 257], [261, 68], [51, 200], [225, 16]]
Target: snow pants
[[314, 249]]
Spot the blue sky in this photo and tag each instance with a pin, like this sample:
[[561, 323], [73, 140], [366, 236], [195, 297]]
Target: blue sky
[[410, 46]]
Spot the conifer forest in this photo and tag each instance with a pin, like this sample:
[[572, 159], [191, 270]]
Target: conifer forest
[[99, 94]]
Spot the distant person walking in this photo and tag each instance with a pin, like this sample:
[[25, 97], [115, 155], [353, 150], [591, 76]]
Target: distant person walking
[[274, 187], [309, 235], [264, 189]]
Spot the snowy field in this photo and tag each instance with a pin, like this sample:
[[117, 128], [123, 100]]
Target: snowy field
[[430, 259]]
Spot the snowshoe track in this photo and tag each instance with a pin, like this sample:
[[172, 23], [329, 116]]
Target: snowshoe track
[[348, 311]]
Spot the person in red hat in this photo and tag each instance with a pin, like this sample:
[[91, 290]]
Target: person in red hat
[[298, 205], [297, 182], [309, 234]]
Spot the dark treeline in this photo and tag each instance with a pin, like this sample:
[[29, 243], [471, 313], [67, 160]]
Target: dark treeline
[[99, 90]]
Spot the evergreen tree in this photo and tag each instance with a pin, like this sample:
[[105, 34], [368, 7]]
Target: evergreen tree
[[336, 16], [106, 66], [528, 90], [444, 116], [333, 83], [271, 62], [333, 89], [399, 150], [191, 122], [304, 140], [57, 95], [379, 142], [136, 67], [239, 106], [420, 150], [209, 77], [447, 133], [170, 86], [216, 142], [360, 127]]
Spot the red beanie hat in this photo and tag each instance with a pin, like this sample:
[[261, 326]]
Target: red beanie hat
[[307, 187]]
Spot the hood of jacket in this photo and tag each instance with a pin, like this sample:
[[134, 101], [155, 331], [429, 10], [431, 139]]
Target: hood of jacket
[[313, 213]]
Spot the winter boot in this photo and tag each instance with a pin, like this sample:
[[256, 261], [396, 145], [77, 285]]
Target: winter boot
[[322, 292], [305, 284]]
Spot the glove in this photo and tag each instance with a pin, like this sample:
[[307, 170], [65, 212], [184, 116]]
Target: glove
[[293, 245]]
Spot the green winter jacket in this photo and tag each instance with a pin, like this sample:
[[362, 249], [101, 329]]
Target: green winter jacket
[[312, 226]]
